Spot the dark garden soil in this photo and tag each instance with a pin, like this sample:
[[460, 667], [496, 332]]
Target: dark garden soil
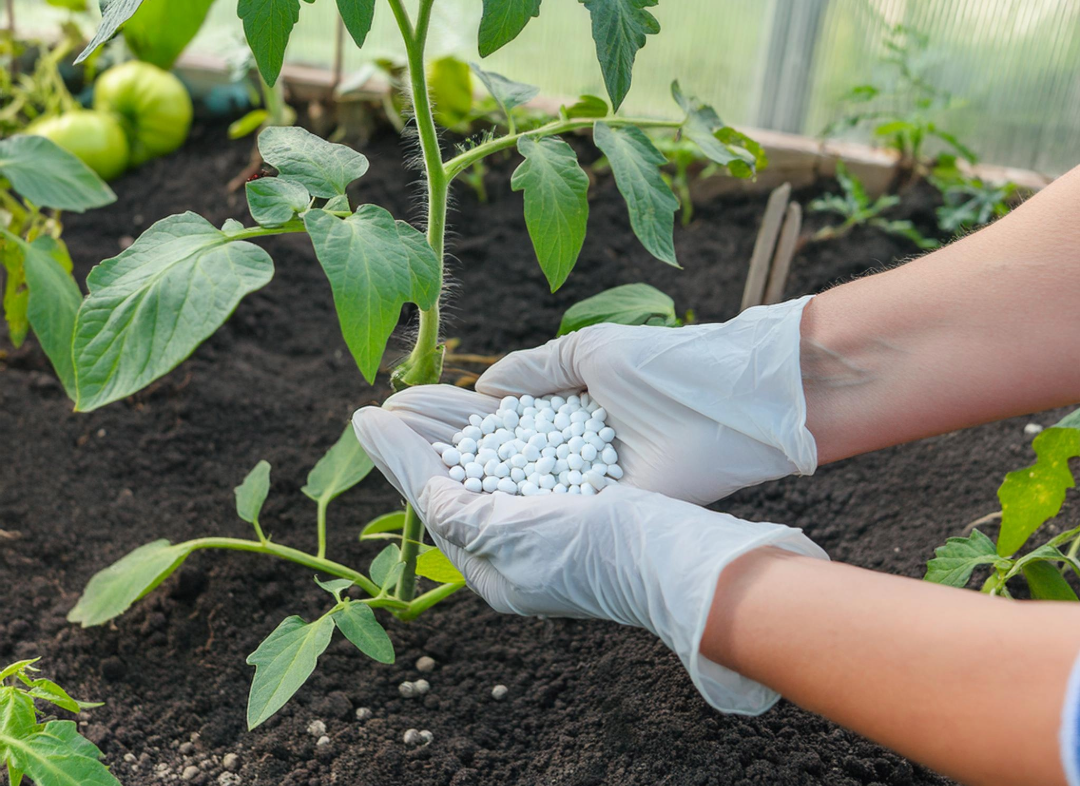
[[588, 703]]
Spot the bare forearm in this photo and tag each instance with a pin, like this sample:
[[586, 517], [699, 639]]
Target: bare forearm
[[980, 330], [969, 685]]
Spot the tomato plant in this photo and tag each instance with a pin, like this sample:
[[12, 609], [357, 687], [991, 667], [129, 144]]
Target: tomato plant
[[39, 180], [153, 304], [49, 751], [1029, 497]]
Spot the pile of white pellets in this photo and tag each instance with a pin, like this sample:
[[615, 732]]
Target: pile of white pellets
[[533, 446]]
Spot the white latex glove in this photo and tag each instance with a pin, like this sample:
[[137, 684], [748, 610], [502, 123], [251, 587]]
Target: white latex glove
[[700, 411], [632, 556]]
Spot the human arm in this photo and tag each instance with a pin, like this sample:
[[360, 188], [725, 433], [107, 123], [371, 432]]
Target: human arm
[[980, 330], [965, 683]]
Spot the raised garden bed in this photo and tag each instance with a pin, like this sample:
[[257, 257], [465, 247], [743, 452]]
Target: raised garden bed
[[587, 703]]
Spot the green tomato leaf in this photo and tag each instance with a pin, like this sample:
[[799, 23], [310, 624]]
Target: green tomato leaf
[[357, 621], [619, 28], [752, 158], [357, 16], [701, 126], [283, 663], [152, 305], [112, 591], [49, 691], [587, 107], [382, 566], [335, 586], [1046, 581], [251, 494], [1031, 496], [113, 14], [636, 164], [502, 21], [1072, 420], [375, 265], [17, 715], [268, 25], [158, 32], [435, 565], [274, 201], [388, 522], [17, 667], [556, 204], [450, 86], [507, 93], [340, 468], [53, 300], [49, 176], [954, 562], [58, 756], [322, 167], [629, 304]]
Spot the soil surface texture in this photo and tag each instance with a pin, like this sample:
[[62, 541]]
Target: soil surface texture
[[587, 703]]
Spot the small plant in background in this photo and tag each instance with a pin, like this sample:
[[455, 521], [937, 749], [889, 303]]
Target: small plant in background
[[152, 305], [905, 112], [857, 209], [51, 752], [970, 202], [1029, 498]]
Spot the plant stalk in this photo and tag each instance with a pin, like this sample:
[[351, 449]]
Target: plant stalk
[[424, 364], [291, 554], [459, 163]]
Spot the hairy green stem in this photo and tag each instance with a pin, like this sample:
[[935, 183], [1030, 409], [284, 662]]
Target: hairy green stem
[[422, 603], [321, 523], [293, 555], [412, 533], [459, 163]]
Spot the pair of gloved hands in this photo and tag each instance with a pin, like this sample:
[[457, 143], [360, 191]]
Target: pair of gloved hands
[[699, 412]]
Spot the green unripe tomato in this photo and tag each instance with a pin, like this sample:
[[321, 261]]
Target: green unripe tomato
[[153, 105], [96, 138]]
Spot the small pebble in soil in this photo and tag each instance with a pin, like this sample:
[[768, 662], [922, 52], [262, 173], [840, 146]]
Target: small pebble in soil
[[190, 773], [316, 728], [425, 664], [421, 686], [407, 690], [363, 714], [412, 737], [323, 740], [228, 779], [426, 736], [499, 692], [534, 446], [1031, 429], [231, 762]]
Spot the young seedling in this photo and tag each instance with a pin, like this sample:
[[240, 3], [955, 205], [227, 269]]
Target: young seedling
[[904, 112], [856, 208], [970, 202], [1029, 498], [153, 304], [48, 751]]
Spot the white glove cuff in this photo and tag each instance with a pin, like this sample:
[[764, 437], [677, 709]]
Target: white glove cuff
[[724, 689]]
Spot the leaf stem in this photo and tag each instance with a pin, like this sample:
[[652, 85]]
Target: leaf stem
[[422, 603], [291, 554], [459, 163], [321, 523]]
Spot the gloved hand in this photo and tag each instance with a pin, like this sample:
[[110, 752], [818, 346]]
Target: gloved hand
[[632, 556], [700, 411]]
